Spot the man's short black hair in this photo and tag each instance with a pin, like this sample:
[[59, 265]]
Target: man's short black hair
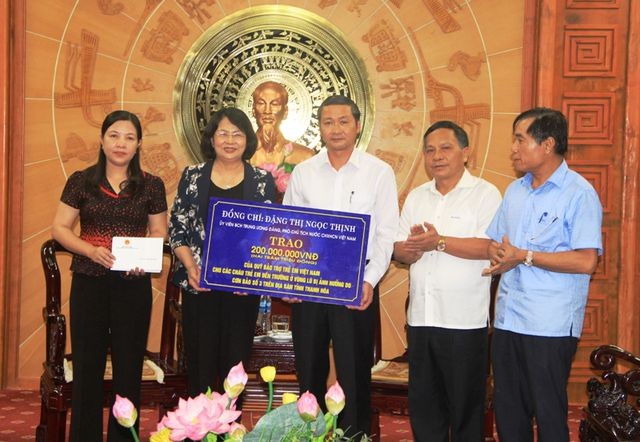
[[340, 100], [460, 134], [546, 123]]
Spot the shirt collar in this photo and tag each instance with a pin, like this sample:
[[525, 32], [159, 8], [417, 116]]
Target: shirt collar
[[354, 160], [557, 177], [466, 180]]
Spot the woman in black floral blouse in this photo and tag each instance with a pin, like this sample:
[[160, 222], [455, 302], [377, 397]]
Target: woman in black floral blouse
[[218, 327], [112, 309]]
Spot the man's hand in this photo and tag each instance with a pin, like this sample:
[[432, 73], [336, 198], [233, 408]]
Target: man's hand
[[367, 297], [503, 257], [423, 238], [407, 254], [292, 300]]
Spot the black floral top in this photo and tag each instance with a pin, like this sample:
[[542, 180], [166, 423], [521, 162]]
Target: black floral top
[[108, 214], [190, 207]]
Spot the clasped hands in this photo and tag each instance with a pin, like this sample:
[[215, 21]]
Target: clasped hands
[[503, 257], [422, 238]]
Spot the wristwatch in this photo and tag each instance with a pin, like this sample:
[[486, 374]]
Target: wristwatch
[[441, 244], [528, 259]]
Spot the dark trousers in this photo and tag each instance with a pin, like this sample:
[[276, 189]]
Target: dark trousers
[[106, 311], [314, 325], [447, 383], [218, 329], [530, 381]]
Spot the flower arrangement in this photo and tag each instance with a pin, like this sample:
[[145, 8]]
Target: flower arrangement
[[281, 172], [212, 416]]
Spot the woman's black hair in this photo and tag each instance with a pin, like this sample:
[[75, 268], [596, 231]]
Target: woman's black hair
[[238, 119], [97, 173]]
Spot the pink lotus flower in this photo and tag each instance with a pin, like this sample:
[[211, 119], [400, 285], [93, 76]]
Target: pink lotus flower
[[269, 167], [196, 417], [236, 380], [335, 399], [124, 412], [282, 180], [288, 148], [308, 407]]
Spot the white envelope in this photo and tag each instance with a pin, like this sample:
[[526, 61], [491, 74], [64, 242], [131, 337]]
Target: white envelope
[[144, 253]]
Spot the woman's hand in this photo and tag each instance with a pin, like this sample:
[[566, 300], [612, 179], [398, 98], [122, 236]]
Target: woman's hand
[[101, 255], [136, 272], [193, 274]]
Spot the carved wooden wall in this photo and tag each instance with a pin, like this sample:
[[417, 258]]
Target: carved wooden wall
[[583, 67], [426, 59]]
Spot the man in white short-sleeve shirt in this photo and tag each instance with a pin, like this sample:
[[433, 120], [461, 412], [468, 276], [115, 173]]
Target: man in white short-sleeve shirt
[[442, 236]]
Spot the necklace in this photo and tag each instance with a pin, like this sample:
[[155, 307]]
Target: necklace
[[227, 180]]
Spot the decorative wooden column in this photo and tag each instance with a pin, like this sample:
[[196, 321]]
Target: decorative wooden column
[[629, 298], [583, 60], [12, 45]]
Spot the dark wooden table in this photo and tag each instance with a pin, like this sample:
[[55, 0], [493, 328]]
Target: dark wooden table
[[270, 352]]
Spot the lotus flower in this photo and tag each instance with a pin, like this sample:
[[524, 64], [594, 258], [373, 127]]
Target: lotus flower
[[237, 432], [124, 412], [235, 381], [308, 407], [269, 167], [268, 373], [282, 180], [195, 417], [163, 434], [335, 399], [288, 398]]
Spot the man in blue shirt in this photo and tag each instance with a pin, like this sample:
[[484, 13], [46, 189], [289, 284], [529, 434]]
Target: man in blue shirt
[[546, 241]]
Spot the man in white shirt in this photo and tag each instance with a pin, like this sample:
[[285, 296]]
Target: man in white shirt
[[345, 179], [442, 236]]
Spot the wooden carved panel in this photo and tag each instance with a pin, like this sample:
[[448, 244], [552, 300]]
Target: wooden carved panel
[[590, 115], [80, 62], [196, 10], [453, 66], [594, 330], [396, 161], [165, 38], [589, 51], [385, 47], [442, 13], [600, 177], [593, 4]]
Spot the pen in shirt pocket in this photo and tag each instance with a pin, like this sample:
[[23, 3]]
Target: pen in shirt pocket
[[351, 196], [547, 227]]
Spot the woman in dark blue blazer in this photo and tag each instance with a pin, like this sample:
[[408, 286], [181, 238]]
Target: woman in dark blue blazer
[[218, 326]]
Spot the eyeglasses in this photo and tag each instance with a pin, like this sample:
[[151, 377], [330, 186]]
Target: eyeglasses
[[235, 136]]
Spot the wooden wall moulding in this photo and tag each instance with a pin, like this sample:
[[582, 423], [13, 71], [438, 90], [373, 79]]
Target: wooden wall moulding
[[594, 330], [589, 51], [591, 4], [590, 116], [599, 176]]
